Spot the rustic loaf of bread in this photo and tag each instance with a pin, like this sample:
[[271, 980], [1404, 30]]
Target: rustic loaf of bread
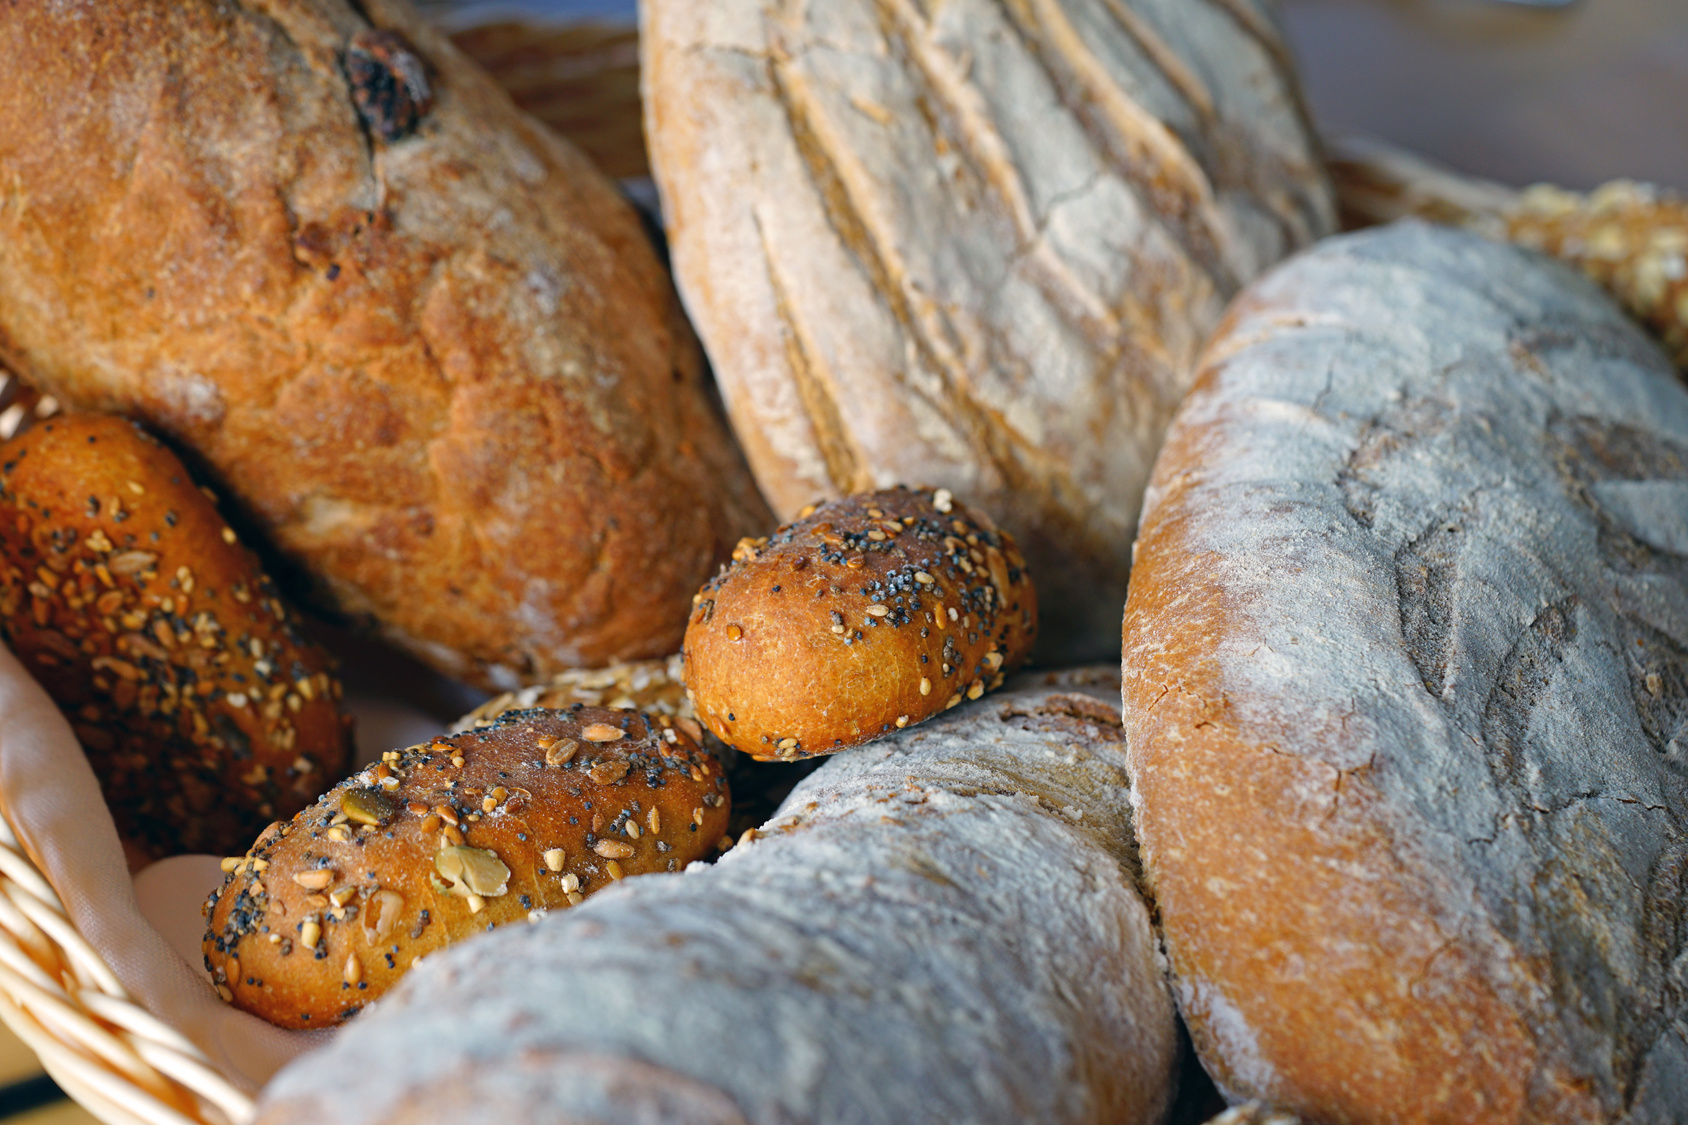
[[974, 244], [423, 343], [864, 616], [441, 841], [1406, 692], [942, 926], [203, 710]]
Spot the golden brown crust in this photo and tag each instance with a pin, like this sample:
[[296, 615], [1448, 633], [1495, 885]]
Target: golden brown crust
[[866, 615], [446, 839], [204, 712], [443, 371]]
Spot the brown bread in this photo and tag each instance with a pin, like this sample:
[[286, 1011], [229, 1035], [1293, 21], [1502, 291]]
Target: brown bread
[[444, 840], [865, 616], [420, 340], [204, 712]]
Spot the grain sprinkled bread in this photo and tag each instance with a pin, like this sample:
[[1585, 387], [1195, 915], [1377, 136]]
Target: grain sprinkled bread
[[866, 615], [418, 339], [444, 840], [975, 243], [1406, 693], [941, 926], [203, 710]]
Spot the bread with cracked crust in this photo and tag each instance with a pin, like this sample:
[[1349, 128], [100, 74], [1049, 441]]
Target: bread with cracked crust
[[974, 244], [1406, 693], [424, 345]]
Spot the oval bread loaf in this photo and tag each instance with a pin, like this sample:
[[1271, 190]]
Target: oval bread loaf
[[441, 841], [866, 615], [1406, 693], [942, 926], [203, 710], [425, 345], [975, 243]]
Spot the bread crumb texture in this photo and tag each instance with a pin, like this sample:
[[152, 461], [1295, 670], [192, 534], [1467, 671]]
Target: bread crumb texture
[[1406, 685]]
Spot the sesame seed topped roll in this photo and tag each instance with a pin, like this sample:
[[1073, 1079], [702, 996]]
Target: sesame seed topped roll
[[204, 712], [865, 615], [450, 838]]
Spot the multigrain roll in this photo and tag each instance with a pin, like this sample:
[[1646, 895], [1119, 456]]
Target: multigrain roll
[[943, 926], [866, 615], [204, 712], [425, 346], [446, 839], [1406, 694]]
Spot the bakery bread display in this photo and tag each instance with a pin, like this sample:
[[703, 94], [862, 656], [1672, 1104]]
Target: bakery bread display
[[1632, 238], [1406, 679], [941, 926], [424, 345], [442, 841], [864, 616], [974, 244], [203, 710]]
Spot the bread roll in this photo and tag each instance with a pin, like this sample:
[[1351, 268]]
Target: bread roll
[[420, 340], [205, 714], [942, 926], [444, 840], [866, 615], [1406, 678], [975, 244]]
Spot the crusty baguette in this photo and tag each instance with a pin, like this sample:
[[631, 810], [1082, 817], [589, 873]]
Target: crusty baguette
[[444, 840], [942, 926], [864, 616], [974, 244], [425, 345], [203, 710], [1406, 686]]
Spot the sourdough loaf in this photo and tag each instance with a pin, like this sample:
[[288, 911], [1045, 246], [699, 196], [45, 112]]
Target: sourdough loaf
[[1406, 691], [419, 339], [974, 244], [942, 926], [442, 841], [203, 709], [864, 616]]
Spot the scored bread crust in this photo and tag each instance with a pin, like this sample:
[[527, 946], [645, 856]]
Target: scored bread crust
[[974, 244], [941, 926], [444, 371], [865, 616], [1406, 684], [441, 841], [204, 711]]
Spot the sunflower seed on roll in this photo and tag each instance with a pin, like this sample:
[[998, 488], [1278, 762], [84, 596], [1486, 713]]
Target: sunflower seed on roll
[[865, 616], [446, 839]]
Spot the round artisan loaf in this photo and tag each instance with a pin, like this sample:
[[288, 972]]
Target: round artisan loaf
[[425, 345], [974, 243], [444, 840], [204, 713], [1406, 692], [942, 926], [867, 614]]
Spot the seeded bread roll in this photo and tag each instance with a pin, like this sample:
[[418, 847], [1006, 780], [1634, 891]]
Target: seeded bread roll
[[652, 686], [866, 615], [444, 840], [943, 926], [423, 343], [1406, 693], [204, 712]]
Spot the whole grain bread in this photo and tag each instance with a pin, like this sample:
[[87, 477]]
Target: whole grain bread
[[974, 244], [418, 338], [1406, 692], [941, 926]]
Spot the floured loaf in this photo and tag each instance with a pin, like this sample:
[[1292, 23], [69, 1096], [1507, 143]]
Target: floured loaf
[[942, 926], [1406, 683], [974, 244]]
